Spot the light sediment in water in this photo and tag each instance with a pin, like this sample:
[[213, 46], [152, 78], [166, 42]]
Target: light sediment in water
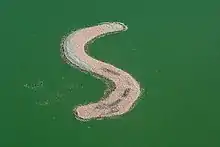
[[126, 89]]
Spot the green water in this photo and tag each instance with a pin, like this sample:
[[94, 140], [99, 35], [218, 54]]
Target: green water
[[181, 39]]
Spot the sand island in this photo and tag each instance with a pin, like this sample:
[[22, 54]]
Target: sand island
[[125, 90]]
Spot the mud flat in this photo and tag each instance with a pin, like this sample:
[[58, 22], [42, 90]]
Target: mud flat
[[125, 89]]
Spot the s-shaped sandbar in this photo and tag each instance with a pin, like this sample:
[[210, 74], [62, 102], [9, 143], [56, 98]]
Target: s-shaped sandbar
[[126, 89]]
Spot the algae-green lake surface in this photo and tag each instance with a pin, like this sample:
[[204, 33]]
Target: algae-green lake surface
[[171, 47]]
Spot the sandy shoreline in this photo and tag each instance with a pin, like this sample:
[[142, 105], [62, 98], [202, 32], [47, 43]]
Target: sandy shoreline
[[125, 91]]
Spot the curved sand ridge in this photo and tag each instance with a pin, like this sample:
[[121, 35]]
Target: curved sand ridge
[[126, 89]]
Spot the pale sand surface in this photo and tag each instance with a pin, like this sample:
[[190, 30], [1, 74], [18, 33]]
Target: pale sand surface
[[127, 89]]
